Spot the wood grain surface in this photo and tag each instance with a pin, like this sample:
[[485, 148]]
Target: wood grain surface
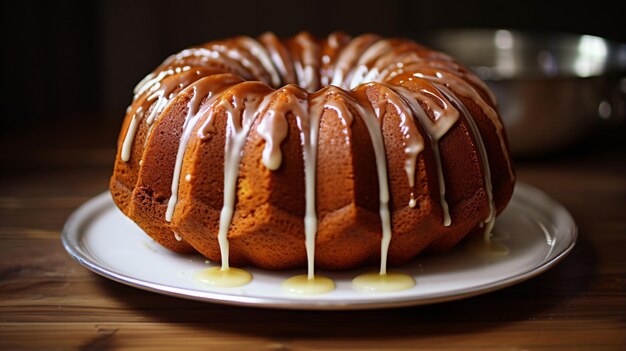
[[49, 302]]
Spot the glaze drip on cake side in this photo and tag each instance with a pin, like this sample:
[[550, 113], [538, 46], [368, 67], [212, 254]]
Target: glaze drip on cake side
[[252, 85]]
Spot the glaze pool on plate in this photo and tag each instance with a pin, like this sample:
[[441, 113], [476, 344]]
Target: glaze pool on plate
[[539, 232]]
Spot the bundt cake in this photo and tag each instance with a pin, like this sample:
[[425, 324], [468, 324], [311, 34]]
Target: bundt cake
[[334, 153]]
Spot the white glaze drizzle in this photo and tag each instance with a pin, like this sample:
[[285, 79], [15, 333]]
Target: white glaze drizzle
[[391, 63], [407, 57], [241, 55], [306, 63], [444, 69], [159, 105], [412, 140], [162, 92], [373, 123], [348, 56], [152, 81], [444, 119], [308, 122], [211, 88], [335, 43], [457, 70], [339, 105], [401, 54], [241, 112], [491, 217], [130, 134], [464, 89], [362, 72], [257, 50], [143, 83], [210, 56], [280, 57], [449, 73], [273, 127]]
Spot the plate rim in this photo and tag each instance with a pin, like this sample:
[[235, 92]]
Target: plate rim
[[85, 212]]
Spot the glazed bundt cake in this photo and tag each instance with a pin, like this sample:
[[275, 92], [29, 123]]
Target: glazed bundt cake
[[337, 152]]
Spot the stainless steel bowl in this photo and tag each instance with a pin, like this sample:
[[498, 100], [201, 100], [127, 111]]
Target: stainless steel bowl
[[552, 89]]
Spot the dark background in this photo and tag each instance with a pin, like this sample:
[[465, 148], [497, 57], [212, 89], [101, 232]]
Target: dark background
[[67, 60]]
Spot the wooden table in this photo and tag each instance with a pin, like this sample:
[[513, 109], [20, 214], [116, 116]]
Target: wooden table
[[48, 301]]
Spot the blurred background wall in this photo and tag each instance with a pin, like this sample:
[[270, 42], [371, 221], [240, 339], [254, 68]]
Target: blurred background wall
[[79, 60]]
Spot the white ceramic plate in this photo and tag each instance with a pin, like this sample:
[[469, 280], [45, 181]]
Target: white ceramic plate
[[539, 232]]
